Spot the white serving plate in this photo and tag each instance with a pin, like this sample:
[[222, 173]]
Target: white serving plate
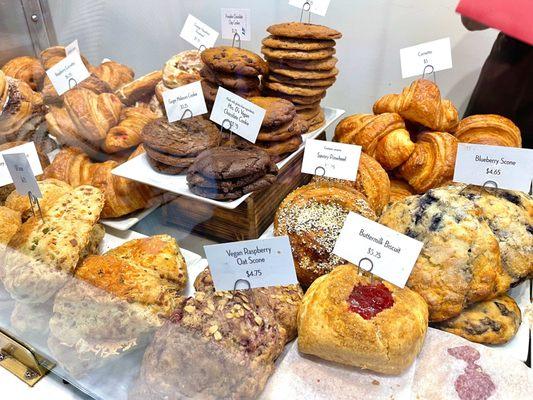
[[138, 169]]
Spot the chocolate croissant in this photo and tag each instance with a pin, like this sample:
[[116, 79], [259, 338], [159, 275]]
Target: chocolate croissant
[[115, 74], [26, 69], [383, 137], [421, 102], [488, 129]]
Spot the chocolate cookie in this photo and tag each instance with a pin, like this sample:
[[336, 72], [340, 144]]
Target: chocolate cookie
[[326, 64], [210, 91], [164, 168], [317, 119], [279, 54], [278, 111], [230, 162], [293, 128], [168, 159], [233, 60], [276, 42], [326, 82], [306, 107], [229, 81], [184, 138], [309, 113], [302, 30], [294, 90], [262, 183], [277, 148], [294, 98]]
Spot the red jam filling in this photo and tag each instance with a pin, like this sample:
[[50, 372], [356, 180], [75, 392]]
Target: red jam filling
[[370, 300]]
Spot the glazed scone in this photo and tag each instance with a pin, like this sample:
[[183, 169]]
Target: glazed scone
[[347, 318], [494, 321], [460, 262], [215, 346]]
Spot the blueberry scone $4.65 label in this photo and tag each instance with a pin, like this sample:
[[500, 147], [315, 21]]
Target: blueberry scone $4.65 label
[[184, 102], [378, 249], [251, 264], [331, 159], [68, 73], [237, 114], [494, 166], [197, 33]]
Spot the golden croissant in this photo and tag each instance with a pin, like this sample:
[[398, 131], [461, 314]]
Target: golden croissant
[[488, 129], [432, 162], [52, 55], [399, 190], [127, 133], [26, 69], [114, 73], [122, 196], [421, 102], [92, 83], [383, 137]]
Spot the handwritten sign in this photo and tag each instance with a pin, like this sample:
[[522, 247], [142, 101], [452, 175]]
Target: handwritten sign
[[331, 159], [72, 48], [22, 175], [437, 53], [30, 153], [197, 33], [188, 97], [67, 73], [236, 20]]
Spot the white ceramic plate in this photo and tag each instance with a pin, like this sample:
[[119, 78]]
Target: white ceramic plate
[[139, 170]]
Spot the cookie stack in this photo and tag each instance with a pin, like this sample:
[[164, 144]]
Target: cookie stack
[[172, 147], [227, 173], [282, 128], [301, 66], [237, 70]]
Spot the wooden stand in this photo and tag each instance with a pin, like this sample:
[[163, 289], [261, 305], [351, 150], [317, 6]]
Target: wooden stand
[[249, 220]]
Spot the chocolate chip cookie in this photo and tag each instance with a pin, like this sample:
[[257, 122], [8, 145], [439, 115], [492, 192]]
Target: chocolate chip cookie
[[295, 98], [281, 147], [302, 30], [230, 81], [278, 111], [325, 82], [327, 64], [279, 54], [294, 90], [233, 60], [283, 69], [278, 42], [292, 128]]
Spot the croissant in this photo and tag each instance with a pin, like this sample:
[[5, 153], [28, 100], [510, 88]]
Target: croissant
[[139, 89], [122, 196], [399, 190], [92, 83], [432, 162], [383, 137], [488, 129], [115, 74], [127, 133], [52, 55], [421, 102], [26, 69]]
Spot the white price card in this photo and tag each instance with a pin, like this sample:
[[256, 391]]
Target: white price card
[[437, 54], [237, 114], [236, 20], [20, 170], [377, 248], [188, 97], [67, 73], [319, 7], [494, 166], [331, 159], [197, 33], [30, 152], [72, 48], [251, 263]]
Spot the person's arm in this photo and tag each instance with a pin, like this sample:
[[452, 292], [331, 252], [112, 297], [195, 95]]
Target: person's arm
[[472, 25]]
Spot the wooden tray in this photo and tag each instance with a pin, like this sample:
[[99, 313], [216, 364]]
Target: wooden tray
[[249, 220]]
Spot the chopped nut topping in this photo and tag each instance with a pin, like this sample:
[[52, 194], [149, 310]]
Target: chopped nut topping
[[190, 309], [217, 335], [212, 329]]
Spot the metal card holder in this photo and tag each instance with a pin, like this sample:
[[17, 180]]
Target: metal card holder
[[22, 361]]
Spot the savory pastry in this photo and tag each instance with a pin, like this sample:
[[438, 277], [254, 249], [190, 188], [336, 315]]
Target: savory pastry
[[494, 321], [139, 89], [347, 318], [114, 74], [460, 261], [182, 69], [312, 216], [26, 69], [283, 301], [122, 196], [233, 60], [215, 346], [489, 129], [383, 137], [421, 102]]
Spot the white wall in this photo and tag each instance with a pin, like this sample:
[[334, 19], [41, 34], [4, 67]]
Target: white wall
[[144, 34]]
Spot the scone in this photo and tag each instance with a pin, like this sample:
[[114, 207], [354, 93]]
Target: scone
[[347, 318], [460, 262], [494, 321]]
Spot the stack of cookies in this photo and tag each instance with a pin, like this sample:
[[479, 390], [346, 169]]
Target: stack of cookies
[[227, 173], [172, 147], [282, 128], [237, 70], [301, 66]]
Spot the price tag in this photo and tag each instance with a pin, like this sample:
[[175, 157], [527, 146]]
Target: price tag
[[72, 47], [30, 153], [437, 53], [188, 97], [251, 263], [319, 7], [20, 170], [244, 116], [494, 166], [236, 20], [331, 159], [197, 33], [67, 73], [387, 253]]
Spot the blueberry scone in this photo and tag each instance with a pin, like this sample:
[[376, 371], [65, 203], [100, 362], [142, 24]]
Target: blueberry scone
[[492, 321], [460, 261]]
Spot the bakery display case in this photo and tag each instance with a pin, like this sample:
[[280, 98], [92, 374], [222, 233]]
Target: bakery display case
[[255, 200]]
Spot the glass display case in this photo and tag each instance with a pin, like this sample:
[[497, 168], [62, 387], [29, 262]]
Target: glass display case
[[244, 199]]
